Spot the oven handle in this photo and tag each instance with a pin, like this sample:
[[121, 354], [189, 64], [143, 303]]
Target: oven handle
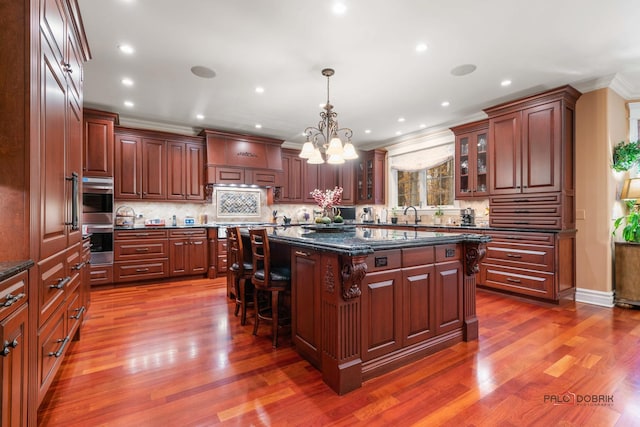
[[99, 228]]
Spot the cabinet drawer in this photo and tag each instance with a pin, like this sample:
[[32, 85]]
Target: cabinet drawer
[[132, 270], [525, 210], [141, 250], [545, 223], [51, 285], [523, 256], [222, 246], [191, 232], [418, 256], [100, 274], [222, 263], [13, 293], [384, 260], [139, 234], [75, 314], [526, 199], [533, 283], [52, 343], [522, 237]]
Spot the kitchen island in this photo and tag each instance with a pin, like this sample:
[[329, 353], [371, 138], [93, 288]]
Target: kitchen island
[[367, 300]]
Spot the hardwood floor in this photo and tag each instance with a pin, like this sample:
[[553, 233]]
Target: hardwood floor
[[173, 354]]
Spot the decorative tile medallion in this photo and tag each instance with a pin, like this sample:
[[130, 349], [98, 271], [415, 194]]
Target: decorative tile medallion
[[238, 203]]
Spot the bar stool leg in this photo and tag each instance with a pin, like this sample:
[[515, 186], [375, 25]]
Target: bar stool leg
[[243, 302], [255, 304], [274, 316]]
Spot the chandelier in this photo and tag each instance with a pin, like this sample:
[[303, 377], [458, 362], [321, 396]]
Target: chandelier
[[327, 136]]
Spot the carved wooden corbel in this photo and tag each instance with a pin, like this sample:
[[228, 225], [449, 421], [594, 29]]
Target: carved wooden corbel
[[474, 252], [353, 271]]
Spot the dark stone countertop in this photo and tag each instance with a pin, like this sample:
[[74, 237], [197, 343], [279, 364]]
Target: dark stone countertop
[[363, 240], [9, 269]]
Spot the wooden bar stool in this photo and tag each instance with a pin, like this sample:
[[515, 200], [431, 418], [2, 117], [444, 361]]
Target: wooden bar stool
[[269, 279], [239, 272]]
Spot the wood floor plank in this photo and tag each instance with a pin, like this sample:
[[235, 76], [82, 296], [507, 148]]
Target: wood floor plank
[[173, 354]]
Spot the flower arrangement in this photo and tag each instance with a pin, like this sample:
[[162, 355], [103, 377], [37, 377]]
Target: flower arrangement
[[327, 199]]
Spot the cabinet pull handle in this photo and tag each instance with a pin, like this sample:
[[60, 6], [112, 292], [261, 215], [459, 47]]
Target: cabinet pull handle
[[301, 253], [79, 312], [142, 234], [142, 270], [6, 348], [142, 249], [10, 299], [513, 256], [79, 266], [58, 353], [509, 279], [512, 237], [61, 283], [521, 222], [74, 201], [521, 211], [521, 200]]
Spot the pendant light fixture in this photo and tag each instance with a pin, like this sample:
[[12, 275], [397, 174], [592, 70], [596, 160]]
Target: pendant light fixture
[[327, 136]]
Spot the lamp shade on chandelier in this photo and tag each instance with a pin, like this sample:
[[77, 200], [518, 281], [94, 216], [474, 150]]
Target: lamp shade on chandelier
[[327, 135]]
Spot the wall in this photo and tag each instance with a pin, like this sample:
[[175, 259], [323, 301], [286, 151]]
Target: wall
[[601, 122]]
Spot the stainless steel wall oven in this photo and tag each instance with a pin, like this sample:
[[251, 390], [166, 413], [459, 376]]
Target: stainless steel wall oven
[[97, 217]]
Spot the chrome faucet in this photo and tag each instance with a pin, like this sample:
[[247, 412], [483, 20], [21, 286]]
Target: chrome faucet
[[415, 211]]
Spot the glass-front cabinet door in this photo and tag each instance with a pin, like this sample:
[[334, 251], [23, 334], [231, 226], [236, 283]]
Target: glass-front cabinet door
[[471, 160]]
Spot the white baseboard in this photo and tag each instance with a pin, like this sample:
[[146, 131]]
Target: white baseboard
[[604, 299]]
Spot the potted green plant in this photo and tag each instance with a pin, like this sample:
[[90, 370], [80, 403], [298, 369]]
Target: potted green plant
[[625, 155], [437, 215], [631, 230], [394, 216], [627, 253]]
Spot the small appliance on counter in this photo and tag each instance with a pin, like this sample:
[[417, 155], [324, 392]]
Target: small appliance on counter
[[125, 217], [467, 217], [367, 215]]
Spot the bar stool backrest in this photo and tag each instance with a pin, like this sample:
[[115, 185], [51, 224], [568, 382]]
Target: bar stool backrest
[[261, 255]]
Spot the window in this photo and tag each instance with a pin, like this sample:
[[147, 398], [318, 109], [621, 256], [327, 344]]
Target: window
[[440, 184], [431, 186], [423, 177]]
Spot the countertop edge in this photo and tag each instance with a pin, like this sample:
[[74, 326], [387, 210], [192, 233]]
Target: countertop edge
[[8, 269]]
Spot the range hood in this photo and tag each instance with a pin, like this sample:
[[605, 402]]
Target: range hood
[[248, 160]]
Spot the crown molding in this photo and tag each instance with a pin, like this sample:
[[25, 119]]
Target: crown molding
[[615, 82]]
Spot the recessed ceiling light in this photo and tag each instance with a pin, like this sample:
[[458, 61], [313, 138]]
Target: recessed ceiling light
[[199, 116], [203, 72], [258, 126], [400, 119], [127, 81], [421, 47], [399, 132], [128, 104], [505, 83], [463, 70], [367, 131], [321, 105], [422, 126], [339, 8], [445, 103], [125, 48], [259, 89]]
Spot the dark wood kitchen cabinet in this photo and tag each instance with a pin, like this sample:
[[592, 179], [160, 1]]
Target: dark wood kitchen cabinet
[[188, 252], [158, 166], [140, 255], [98, 152], [531, 158], [290, 187], [140, 171], [471, 160], [185, 172], [14, 350], [43, 46], [371, 178], [306, 303]]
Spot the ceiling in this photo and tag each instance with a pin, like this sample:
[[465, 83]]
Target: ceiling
[[283, 45]]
